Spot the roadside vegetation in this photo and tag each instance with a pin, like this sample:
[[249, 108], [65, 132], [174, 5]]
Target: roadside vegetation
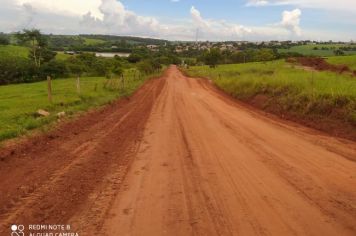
[[30, 56], [78, 82], [256, 72], [322, 50], [19, 103], [324, 99], [349, 61]]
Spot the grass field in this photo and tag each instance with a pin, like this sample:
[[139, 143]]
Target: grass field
[[19, 103], [62, 56], [309, 50], [19, 51], [14, 51], [350, 61], [93, 41], [315, 95]]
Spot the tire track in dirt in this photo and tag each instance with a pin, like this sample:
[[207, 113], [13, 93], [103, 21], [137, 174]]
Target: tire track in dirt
[[230, 170], [74, 170]]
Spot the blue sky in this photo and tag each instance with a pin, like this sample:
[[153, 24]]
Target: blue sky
[[254, 20]]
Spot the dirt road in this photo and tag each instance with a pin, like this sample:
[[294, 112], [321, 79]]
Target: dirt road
[[181, 158]]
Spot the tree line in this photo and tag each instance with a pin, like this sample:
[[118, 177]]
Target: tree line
[[215, 56], [42, 62]]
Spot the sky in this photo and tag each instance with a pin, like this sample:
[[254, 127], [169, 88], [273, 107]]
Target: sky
[[213, 20]]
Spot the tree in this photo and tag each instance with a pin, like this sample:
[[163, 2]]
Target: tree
[[54, 68], [39, 45], [4, 40], [238, 57], [212, 57], [339, 52], [75, 66], [16, 70], [265, 54], [46, 55], [118, 71], [134, 58], [147, 66]]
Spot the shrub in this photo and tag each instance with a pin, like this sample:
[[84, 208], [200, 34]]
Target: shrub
[[54, 68], [16, 70]]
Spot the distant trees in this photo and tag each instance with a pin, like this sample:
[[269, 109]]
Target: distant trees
[[339, 52], [76, 66], [148, 66], [215, 56], [4, 39], [134, 58], [265, 54], [54, 68], [238, 57], [211, 57], [15, 70]]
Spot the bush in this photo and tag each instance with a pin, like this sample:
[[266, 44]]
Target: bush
[[55, 69], [4, 40], [16, 70], [148, 66], [75, 66]]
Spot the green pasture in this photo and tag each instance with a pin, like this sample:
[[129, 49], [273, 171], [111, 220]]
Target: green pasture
[[19, 102]]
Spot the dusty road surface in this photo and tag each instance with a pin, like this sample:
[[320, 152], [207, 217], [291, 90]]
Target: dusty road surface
[[181, 158]]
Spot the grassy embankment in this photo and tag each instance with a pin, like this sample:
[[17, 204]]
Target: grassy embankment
[[350, 61], [324, 100], [89, 41], [13, 51], [308, 50], [19, 103]]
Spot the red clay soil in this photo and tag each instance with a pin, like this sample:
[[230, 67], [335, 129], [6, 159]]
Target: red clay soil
[[181, 158], [320, 64]]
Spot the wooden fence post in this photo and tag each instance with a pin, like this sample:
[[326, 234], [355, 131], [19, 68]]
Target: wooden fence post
[[78, 85], [123, 81], [49, 88]]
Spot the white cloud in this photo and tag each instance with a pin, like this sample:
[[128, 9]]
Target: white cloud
[[112, 17], [65, 7], [340, 5], [217, 29], [198, 19], [291, 21], [117, 19], [257, 3]]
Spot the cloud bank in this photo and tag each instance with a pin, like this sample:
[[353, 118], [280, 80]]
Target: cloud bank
[[112, 17], [340, 5]]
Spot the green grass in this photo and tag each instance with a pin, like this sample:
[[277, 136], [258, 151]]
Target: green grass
[[350, 61], [292, 90], [14, 51], [309, 50], [19, 103], [62, 56], [19, 51], [91, 42]]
